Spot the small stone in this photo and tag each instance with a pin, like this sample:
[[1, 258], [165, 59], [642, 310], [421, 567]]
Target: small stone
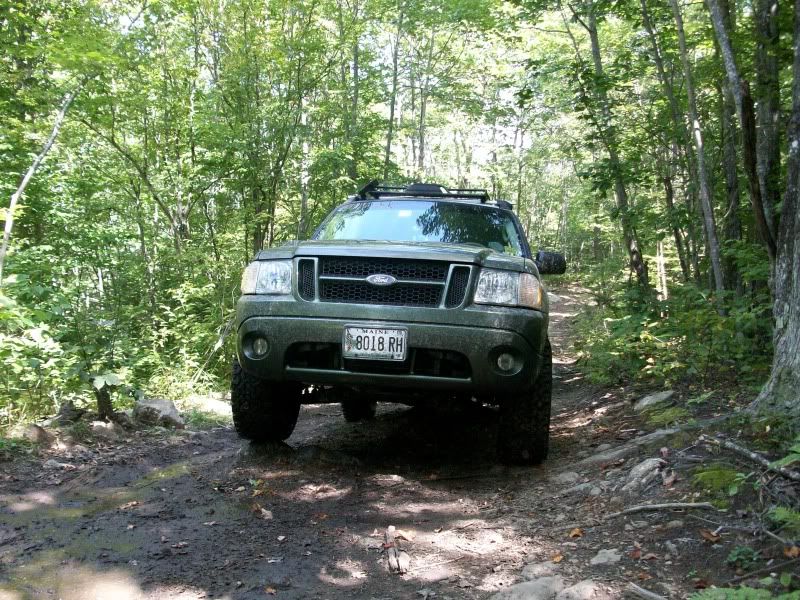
[[108, 431], [603, 447], [585, 590], [642, 474], [640, 524], [570, 477], [538, 570], [595, 491], [672, 548], [68, 413], [606, 557], [154, 411], [577, 489], [676, 524], [652, 400], [544, 588], [38, 435]]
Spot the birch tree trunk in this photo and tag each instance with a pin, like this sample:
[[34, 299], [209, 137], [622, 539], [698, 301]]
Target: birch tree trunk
[[26, 178], [706, 194]]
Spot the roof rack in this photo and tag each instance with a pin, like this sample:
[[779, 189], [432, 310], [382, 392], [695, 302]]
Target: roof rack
[[425, 190]]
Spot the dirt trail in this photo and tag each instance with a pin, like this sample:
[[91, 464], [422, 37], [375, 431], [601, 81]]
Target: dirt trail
[[203, 514]]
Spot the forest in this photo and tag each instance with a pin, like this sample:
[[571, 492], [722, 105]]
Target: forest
[[149, 148]]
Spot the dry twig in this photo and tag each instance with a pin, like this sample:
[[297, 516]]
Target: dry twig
[[770, 569], [666, 506], [754, 456]]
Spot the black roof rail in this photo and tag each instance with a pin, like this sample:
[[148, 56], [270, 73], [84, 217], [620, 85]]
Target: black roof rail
[[424, 190]]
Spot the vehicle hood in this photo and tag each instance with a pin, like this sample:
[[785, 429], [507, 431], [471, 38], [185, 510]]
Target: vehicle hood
[[453, 253]]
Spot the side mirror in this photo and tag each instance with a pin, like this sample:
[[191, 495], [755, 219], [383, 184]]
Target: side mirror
[[550, 263]]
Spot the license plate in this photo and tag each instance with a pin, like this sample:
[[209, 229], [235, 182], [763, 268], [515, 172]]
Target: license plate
[[375, 343]]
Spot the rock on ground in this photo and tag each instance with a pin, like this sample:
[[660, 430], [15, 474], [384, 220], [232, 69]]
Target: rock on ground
[[544, 588], [37, 435], [154, 411], [538, 570], [585, 590], [606, 557], [566, 478], [652, 400], [642, 474]]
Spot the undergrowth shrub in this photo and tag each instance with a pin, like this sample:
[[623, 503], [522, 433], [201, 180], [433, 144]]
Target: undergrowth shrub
[[628, 335]]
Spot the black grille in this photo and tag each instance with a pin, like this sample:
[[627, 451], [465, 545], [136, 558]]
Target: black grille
[[344, 266], [305, 279], [361, 292], [458, 287]]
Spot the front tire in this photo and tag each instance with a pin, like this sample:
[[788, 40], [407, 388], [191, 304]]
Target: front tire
[[524, 433], [263, 411]]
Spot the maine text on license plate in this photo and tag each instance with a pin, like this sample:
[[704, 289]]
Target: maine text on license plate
[[374, 343]]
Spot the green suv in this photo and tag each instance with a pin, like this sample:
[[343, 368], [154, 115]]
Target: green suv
[[404, 294]]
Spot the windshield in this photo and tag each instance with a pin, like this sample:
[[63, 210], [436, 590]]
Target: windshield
[[423, 221]]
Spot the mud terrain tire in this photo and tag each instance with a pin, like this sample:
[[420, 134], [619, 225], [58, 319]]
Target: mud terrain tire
[[263, 411], [524, 432], [358, 409]]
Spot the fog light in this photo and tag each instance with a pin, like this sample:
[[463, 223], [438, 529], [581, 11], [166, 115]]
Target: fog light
[[260, 346], [505, 361]]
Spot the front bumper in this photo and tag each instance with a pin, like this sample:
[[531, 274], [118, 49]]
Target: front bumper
[[476, 334]]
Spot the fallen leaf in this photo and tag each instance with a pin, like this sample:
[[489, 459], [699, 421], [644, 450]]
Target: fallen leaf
[[710, 536], [256, 493], [644, 576], [635, 554], [668, 479], [131, 526], [791, 551], [664, 452], [281, 538], [557, 557], [270, 590], [180, 545], [210, 523], [650, 556], [130, 504], [438, 530], [700, 584], [241, 488], [576, 533]]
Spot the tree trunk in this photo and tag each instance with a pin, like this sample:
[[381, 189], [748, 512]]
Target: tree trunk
[[706, 195], [26, 178], [782, 391], [393, 96], [669, 195], [637, 264], [768, 108], [745, 111]]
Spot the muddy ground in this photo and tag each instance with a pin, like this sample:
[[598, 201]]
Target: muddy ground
[[202, 514]]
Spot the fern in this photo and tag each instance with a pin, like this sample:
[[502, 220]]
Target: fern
[[787, 518]]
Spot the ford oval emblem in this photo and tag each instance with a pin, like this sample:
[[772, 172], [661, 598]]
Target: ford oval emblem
[[381, 279]]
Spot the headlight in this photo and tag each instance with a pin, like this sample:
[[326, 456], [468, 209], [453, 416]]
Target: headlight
[[508, 288], [268, 277]]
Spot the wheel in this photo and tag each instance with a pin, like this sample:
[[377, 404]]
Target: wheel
[[524, 434], [358, 409], [263, 411]]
